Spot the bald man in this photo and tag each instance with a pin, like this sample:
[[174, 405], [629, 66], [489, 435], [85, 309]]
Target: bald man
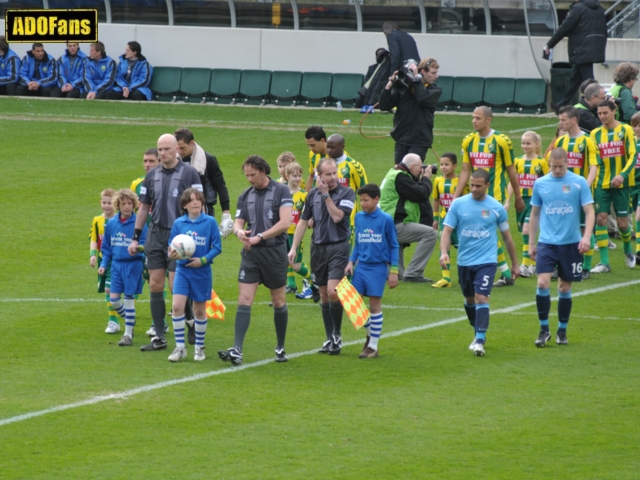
[[160, 194]]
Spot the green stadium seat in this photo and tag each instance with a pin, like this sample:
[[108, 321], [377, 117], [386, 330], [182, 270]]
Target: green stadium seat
[[345, 86], [224, 85], [446, 84], [254, 86], [195, 84], [316, 88], [530, 95], [499, 92], [467, 93], [285, 86], [165, 83]]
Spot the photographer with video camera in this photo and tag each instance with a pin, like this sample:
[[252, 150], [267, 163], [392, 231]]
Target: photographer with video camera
[[413, 91]]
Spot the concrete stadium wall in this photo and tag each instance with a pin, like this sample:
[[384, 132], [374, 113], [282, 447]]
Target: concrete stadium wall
[[338, 52]]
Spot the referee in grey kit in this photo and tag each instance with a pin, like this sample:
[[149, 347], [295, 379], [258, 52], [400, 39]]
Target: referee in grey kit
[[161, 189], [262, 219], [329, 205]]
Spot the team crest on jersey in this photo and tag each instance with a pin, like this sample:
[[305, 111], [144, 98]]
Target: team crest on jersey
[[103, 68], [299, 205], [581, 147], [270, 215], [175, 193], [1, 65], [44, 69], [345, 171], [538, 170], [491, 147], [485, 213], [620, 134], [566, 188]]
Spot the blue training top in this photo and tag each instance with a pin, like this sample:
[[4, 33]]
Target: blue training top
[[375, 239], [560, 201], [117, 238], [476, 223], [204, 231]]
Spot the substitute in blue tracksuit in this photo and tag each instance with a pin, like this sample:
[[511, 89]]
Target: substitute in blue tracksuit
[[193, 276], [126, 269], [9, 68], [99, 73], [70, 71], [133, 77], [38, 73]]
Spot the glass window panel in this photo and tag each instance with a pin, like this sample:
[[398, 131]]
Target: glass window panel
[[404, 12], [145, 12], [455, 16], [213, 13], [97, 4], [264, 14], [330, 15], [18, 4], [507, 17]]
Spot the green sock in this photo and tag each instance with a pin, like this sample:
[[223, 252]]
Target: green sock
[[304, 271], [291, 279], [626, 239], [526, 259], [112, 312], [588, 257], [602, 238], [637, 236]]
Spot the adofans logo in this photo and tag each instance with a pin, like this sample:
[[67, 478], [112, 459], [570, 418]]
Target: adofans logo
[[51, 26]]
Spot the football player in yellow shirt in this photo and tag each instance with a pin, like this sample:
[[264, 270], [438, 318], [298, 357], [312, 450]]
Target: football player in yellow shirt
[[316, 140], [95, 254], [529, 168]]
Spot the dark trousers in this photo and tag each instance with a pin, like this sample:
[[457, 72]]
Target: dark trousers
[[135, 95], [402, 150], [23, 91], [579, 73], [58, 93]]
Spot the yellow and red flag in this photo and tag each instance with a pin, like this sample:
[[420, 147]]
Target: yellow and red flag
[[352, 303], [215, 307]]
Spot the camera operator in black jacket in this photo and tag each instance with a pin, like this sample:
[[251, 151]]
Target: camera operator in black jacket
[[412, 89]]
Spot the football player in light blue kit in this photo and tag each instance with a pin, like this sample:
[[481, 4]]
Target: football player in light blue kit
[[477, 217], [556, 201], [193, 276], [375, 254]]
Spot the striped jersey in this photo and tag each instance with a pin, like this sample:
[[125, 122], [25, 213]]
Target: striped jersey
[[298, 205], [582, 153], [314, 159], [617, 155], [529, 170], [443, 191], [493, 153], [638, 162], [135, 185], [97, 232], [351, 174]]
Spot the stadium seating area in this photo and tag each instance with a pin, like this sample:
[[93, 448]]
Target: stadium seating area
[[218, 85]]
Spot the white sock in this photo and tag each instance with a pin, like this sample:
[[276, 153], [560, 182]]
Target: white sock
[[129, 315], [178, 330], [201, 330], [376, 330]]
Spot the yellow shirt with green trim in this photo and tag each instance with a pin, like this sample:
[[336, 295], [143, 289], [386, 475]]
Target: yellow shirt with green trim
[[637, 162], [582, 153], [528, 171], [493, 153], [443, 191], [617, 155], [298, 205], [314, 159], [135, 185], [351, 174], [96, 234]]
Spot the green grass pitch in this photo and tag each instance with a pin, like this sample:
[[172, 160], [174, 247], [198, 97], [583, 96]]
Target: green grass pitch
[[75, 405]]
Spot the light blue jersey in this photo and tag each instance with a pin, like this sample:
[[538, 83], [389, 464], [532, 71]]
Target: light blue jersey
[[477, 223], [560, 201]]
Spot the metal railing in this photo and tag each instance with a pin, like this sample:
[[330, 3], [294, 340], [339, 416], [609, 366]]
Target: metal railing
[[626, 24]]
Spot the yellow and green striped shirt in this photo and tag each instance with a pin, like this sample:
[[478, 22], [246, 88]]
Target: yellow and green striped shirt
[[351, 174], [529, 170], [298, 205], [582, 153], [493, 153], [617, 155], [443, 191]]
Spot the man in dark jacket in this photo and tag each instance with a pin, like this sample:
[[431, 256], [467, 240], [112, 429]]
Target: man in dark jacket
[[413, 121], [402, 46], [586, 27], [587, 107]]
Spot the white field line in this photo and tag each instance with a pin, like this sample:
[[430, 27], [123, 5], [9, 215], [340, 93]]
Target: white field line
[[260, 363], [101, 118]]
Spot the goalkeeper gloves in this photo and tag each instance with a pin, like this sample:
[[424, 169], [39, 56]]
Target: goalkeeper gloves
[[226, 225]]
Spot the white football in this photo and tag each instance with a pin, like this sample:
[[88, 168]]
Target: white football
[[184, 245]]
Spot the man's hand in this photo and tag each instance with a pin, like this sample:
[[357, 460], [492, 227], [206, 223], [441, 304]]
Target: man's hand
[[584, 245], [67, 87], [533, 251], [426, 171], [33, 85], [519, 204], [226, 225], [546, 50], [173, 254], [392, 78], [125, 94], [348, 270], [91, 95], [322, 186], [515, 271], [444, 260], [617, 181]]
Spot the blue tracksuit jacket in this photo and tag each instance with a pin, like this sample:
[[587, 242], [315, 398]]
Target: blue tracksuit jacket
[[48, 70], [70, 69], [140, 76], [99, 75], [9, 68]]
